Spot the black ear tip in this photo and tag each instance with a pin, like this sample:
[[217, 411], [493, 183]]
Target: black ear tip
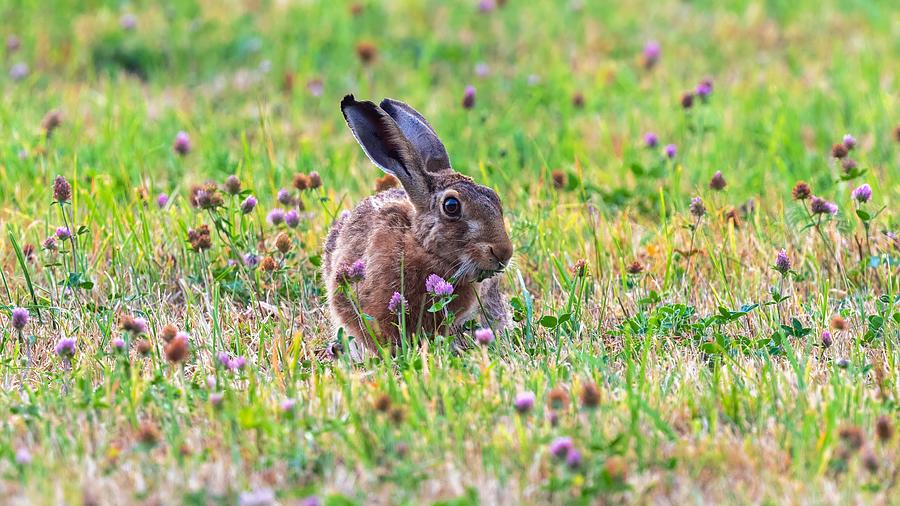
[[347, 101], [387, 104]]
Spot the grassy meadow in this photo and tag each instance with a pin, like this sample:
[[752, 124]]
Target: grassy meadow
[[161, 344]]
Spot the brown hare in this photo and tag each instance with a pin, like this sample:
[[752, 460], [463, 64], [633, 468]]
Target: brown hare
[[440, 224]]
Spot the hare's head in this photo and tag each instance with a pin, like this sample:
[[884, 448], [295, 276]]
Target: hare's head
[[456, 220]]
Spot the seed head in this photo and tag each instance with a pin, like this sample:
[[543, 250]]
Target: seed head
[[382, 403], [168, 332], [62, 190], [801, 191], [148, 434], [366, 51], [248, 205], [437, 286], [315, 180], [49, 243], [144, 347], [697, 208], [651, 140], [524, 402], [635, 268], [178, 348], [853, 437], [580, 267], [616, 468], [870, 461], [718, 181], [838, 322], [51, 121], [578, 99], [232, 185], [848, 164], [19, 318], [200, 238], [468, 100], [136, 326], [590, 395], [862, 193], [268, 264], [559, 179], [884, 428], [687, 100], [839, 150], [283, 243], [558, 398], [484, 336], [182, 143]]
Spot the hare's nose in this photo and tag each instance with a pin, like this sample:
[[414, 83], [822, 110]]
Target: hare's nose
[[502, 253]]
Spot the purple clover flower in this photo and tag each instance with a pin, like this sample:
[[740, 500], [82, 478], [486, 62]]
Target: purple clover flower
[[468, 101], [292, 218], [704, 90], [118, 344], [276, 216], [251, 260], [651, 140], [284, 197], [162, 200], [862, 193], [437, 286], [782, 262], [288, 405], [822, 206], [19, 318], [671, 151], [18, 71], [63, 233], [182, 144], [827, 340], [524, 402], [849, 142], [23, 456], [248, 205], [651, 53], [561, 446], [484, 336], [397, 303], [573, 459], [65, 347]]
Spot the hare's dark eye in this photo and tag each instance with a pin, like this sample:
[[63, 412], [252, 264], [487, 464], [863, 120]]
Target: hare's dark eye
[[452, 207]]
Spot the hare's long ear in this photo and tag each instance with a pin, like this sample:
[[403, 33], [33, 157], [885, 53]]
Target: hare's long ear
[[420, 133], [387, 146]]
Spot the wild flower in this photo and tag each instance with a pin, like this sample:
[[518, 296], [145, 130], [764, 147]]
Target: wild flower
[[248, 205], [19, 318], [437, 286], [839, 150], [62, 190], [884, 428], [162, 200], [315, 180], [136, 326], [651, 53], [200, 238], [50, 122], [848, 164], [573, 459], [590, 395], [232, 185], [168, 332], [251, 260], [827, 340], [118, 344], [486, 6], [579, 269], [128, 22], [634, 268], [468, 100], [801, 191], [23, 456], [821, 206], [849, 142], [288, 405], [482, 69], [670, 151], [65, 347], [557, 398], [283, 243], [182, 143], [524, 402], [216, 399], [397, 303], [782, 262], [862, 193], [561, 446], [49, 243], [285, 197], [687, 100], [704, 89], [300, 182], [292, 218], [276, 216], [353, 273], [838, 322], [559, 179], [484, 336], [18, 71], [63, 233], [717, 182], [178, 348], [651, 140], [366, 52], [13, 43], [697, 208]]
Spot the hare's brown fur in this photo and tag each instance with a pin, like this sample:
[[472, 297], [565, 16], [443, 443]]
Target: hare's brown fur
[[402, 236]]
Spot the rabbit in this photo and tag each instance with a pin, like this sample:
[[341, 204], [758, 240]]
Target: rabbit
[[441, 222]]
